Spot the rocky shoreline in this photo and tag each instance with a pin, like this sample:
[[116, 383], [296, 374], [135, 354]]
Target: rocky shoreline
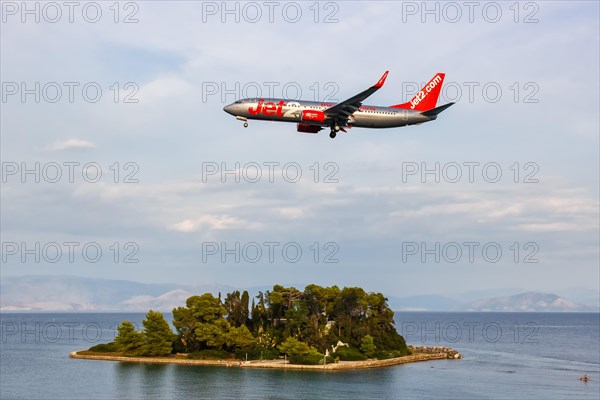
[[449, 352], [420, 353]]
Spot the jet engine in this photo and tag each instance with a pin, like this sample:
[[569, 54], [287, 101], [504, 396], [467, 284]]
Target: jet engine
[[313, 115], [307, 128]]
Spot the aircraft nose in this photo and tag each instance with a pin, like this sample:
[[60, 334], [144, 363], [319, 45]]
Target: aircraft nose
[[228, 109]]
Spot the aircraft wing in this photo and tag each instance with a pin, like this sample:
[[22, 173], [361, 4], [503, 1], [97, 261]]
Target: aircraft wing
[[342, 111]]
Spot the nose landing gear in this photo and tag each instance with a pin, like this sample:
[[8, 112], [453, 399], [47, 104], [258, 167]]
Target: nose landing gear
[[239, 118]]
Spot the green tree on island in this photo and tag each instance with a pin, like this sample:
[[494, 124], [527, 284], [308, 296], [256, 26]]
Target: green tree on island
[[201, 324], [299, 352], [240, 338], [367, 346], [294, 347], [158, 337], [128, 340]]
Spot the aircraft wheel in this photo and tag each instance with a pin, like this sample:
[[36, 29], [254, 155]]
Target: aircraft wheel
[[332, 134], [336, 128], [245, 124]]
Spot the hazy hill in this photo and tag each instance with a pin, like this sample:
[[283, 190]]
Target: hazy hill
[[529, 301], [431, 302]]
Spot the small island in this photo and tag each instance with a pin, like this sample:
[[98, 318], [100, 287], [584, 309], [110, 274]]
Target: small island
[[317, 328]]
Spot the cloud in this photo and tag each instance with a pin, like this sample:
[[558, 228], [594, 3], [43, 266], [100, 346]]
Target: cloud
[[554, 227], [163, 88], [292, 212], [70, 144], [211, 222]]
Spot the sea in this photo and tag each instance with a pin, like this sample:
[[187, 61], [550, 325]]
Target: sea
[[505, 356]]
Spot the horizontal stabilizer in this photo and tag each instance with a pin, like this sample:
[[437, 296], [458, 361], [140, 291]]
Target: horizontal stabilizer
[[435, 111]]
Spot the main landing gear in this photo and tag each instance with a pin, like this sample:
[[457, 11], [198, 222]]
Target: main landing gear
[[334, 130]]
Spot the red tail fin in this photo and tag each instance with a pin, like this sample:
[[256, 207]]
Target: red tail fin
[[426, 98]]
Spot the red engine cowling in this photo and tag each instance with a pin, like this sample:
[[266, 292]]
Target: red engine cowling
[[313, 115], [307, 128]]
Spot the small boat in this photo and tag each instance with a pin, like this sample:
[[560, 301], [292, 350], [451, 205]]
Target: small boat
[[584, 378]]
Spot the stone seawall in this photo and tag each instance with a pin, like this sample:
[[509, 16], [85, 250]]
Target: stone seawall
[[279, 364]]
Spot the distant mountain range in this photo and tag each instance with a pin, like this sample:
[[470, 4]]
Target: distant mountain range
[[529, 301], [69, 293], [507, 300]]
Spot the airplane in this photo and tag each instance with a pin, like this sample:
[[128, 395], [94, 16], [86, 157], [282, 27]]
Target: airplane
[[313, 116]]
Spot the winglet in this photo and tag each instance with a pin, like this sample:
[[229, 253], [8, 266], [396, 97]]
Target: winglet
[[381, 80]]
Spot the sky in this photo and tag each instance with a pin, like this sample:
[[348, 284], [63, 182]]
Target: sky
[[119, 163]]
